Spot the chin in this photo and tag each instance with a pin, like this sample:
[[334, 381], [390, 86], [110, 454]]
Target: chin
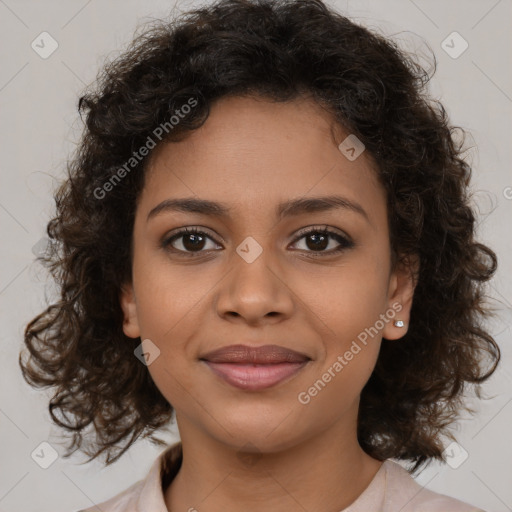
[[260, 435]]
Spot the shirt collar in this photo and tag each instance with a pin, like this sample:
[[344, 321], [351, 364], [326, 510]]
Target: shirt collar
[[161, 474]]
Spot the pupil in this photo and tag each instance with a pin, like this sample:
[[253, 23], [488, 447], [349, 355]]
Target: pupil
[[194, 245], [323, 240]]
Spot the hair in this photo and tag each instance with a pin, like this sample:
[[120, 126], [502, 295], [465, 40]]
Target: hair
[[280, 51]]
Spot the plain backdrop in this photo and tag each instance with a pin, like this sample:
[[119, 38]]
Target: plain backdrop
[[40, 127]]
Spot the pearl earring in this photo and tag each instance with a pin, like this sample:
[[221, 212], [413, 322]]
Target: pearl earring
[[399, 323]]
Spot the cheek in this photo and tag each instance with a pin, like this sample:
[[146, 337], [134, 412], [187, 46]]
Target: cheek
[[349, 298], [168, 298], [350, 305], [170, 309], [337, 388], [352, 336]]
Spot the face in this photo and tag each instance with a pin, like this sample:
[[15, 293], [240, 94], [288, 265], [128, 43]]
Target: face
[[270, 263]]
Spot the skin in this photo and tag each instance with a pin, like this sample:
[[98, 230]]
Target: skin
[[252, 154]]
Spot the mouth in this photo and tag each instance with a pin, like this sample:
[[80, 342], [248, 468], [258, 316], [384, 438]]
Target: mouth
[[255, 368]]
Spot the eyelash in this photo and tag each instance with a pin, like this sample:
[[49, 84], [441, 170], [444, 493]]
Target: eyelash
[[345, 243]]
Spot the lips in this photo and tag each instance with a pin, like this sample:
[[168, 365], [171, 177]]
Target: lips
[[255, 368], [266, 354]]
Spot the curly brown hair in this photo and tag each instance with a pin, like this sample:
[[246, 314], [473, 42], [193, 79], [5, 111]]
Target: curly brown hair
[[278, 50]]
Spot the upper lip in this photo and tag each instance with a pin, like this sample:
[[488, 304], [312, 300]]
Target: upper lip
[[265, 354]]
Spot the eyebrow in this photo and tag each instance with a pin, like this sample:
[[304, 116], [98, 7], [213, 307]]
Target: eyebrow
[[288, 208]]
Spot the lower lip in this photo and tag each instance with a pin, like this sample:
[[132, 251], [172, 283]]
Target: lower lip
[[254, 377]]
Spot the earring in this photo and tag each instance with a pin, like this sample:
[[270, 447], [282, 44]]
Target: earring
[[398, 323]]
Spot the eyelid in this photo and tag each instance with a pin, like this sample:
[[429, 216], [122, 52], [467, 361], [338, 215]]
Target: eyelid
[[192, 229], [321, 228]]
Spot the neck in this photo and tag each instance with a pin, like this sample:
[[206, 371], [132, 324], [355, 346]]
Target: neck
[[327, 472]]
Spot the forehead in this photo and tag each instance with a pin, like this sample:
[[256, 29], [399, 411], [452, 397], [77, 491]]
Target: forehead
[[254, 153]]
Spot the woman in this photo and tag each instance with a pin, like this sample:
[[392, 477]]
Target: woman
[[266, 231]]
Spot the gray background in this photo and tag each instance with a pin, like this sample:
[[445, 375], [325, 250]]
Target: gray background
[[39, 128]]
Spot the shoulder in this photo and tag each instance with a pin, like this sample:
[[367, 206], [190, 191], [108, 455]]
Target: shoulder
[[146, 494], [405, 494]]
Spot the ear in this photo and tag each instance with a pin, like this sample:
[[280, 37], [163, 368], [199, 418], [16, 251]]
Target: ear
[[129, 307], [402, 283]]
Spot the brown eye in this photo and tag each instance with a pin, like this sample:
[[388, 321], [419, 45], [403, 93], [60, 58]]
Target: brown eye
[[319, 240], [189, 240]]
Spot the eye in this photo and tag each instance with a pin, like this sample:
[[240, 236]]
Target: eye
[[316, 240], [188, 241], [193, 241]]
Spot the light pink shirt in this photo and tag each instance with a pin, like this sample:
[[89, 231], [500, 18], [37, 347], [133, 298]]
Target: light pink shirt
[[392, 489]]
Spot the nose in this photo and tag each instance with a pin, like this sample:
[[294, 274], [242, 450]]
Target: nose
[[255, 292]]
